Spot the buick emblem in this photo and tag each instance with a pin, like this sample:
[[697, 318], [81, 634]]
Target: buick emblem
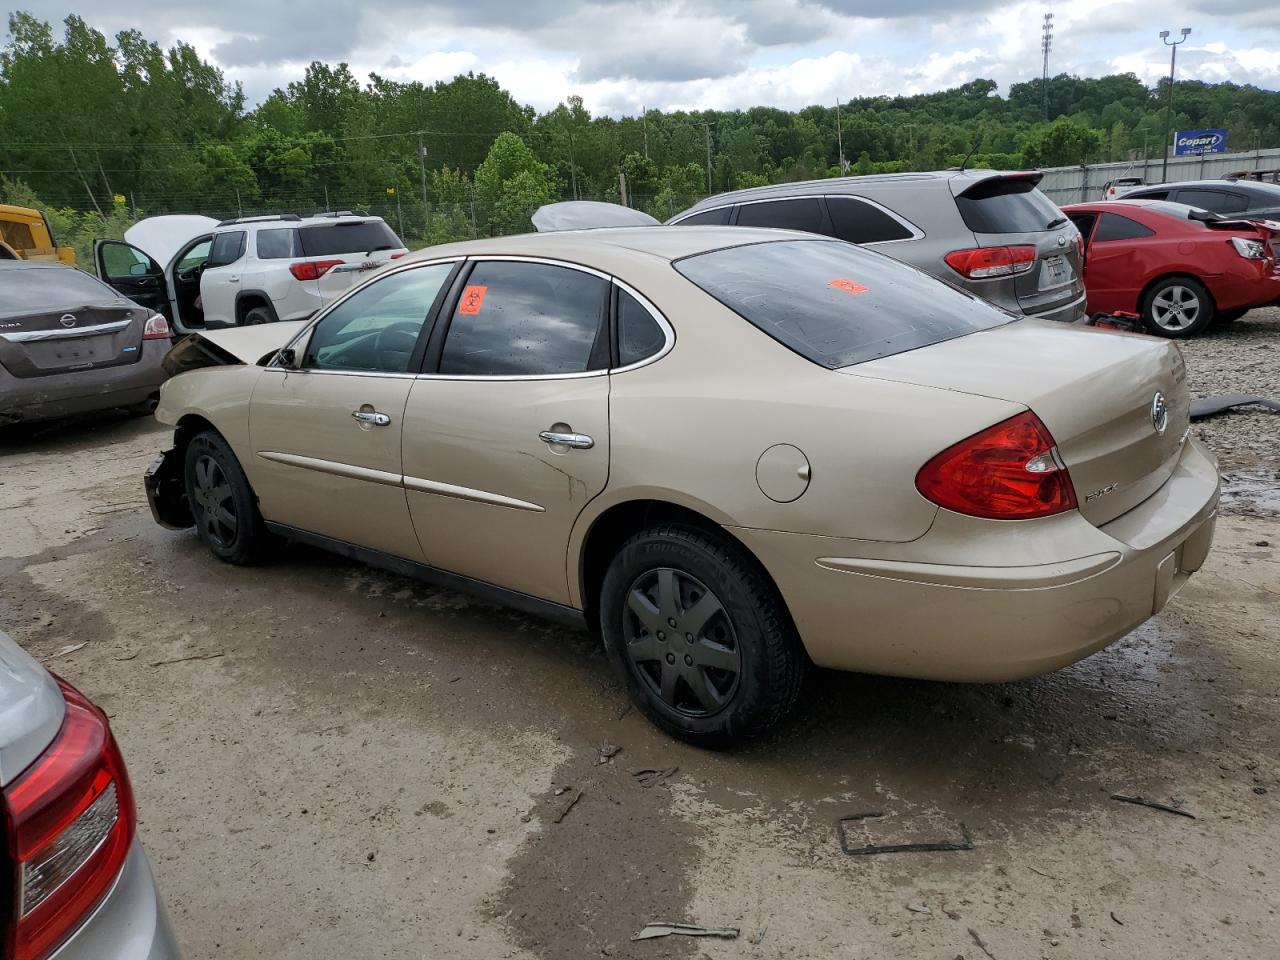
[[67, 320], [1159, 413], [1062, 241]]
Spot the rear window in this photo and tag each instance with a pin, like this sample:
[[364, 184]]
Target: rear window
[[835, 304], [1006, 206], [28, 289], [799, 213], [356, 236]]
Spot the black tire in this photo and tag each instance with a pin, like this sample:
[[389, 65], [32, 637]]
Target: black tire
[[213, 477], [1177, 307], [257, 315], [1230, 316], [741, 626]]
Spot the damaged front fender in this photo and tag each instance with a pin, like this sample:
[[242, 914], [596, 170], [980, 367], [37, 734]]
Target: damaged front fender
[[167, 492]]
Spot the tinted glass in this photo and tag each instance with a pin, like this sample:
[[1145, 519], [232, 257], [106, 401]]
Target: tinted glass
[[524, 319], [803, 213], [1264, 196], [355, 236], [1218, 201], [1150, 195], [859, 222], [836, 304], [1006, 206], [708, 217], [120, 261], [1115, 227], [377, 328], [30, 289], [277, 244], [227, 248], [639, 335]]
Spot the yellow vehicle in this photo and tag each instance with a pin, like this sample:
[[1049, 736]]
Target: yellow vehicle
[[27, 233]]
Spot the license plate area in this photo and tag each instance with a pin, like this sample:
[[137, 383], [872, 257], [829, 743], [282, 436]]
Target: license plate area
[[1055, 272]]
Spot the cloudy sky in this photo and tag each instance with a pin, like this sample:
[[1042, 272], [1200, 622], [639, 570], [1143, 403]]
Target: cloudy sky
[[622, 54]]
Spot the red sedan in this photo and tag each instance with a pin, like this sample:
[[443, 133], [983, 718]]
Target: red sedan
[[1176, 266]]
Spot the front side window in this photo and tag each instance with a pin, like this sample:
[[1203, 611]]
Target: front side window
[[1112, 226], [527, 319], [837, 304], [856, 221], [227, 248], [639, 335], [797, 213], [377, 328], [1219, 201]]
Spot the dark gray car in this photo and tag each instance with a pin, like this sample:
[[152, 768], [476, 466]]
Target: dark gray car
[[992, 233], [1230, 197], [69, 344]]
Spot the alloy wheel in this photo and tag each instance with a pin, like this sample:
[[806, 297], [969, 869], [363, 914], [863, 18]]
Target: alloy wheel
[[680, 642], [215, 506], [1175, 308]]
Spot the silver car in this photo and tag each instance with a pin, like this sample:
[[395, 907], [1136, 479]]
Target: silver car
[[76, 882], [990, 232]]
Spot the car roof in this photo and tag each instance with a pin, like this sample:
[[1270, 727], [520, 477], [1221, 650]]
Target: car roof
[[1247, 185], [614, 243]]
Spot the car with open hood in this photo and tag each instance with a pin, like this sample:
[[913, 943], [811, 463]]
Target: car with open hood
[[731, 452]]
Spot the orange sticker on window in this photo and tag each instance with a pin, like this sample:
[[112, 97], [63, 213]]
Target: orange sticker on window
[[472, 297], [851, 287]]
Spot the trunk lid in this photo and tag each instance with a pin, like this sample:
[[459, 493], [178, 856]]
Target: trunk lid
[[1007, 210], [31, 709], [1094, 389], [356, 245]]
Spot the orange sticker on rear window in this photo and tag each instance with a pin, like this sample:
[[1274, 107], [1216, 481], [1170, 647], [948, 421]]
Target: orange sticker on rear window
[[472, 297], [848, 286]]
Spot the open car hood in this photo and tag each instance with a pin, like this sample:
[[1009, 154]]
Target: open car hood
[[162, 237], [588, 215], [251, 344]]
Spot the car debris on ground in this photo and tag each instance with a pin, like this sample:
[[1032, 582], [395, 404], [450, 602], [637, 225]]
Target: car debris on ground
[[1143, 802], [654, 930]]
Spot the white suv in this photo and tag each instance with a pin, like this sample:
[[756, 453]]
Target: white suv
[[245, 271]]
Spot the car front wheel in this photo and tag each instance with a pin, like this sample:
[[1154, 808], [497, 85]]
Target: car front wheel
[[1177, 307], [222, 502], [701, 636]]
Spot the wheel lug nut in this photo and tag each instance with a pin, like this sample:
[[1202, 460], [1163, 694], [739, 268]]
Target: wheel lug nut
[[671, 658], [689, 637], [688, 660], [661, 635], [671, 621]]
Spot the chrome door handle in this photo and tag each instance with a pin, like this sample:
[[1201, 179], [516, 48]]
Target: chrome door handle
[[376, 419], [579, 440], [233, 279]]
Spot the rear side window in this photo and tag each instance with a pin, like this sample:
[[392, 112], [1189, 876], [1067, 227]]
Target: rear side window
[[1115, 227], [1006, 206], [639, 335], [1151, 195], [835, 304], [227, 248], [708, 218], [277, 244], [355, 236], [527, 319], [857, 221], [800, 213], [1219, 201]]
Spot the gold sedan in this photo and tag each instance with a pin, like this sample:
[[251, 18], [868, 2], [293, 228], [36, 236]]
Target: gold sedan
[[732, 452]]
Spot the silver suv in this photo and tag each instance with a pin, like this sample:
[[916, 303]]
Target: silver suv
[[989, 232]]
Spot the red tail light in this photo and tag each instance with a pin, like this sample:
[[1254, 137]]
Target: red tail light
[[982, 263], [397, 256], [157, 328], [1007, 472], [69, 822], [313, 269]]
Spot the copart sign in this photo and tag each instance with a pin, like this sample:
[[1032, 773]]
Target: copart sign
[[1193, 143]]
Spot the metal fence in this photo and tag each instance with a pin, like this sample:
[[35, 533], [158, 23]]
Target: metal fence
[[1081, 183]]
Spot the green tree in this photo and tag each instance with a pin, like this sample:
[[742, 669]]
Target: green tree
[[1065, 141]]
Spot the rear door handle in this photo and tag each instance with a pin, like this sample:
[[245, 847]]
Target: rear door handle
[[375, 418], [233, 279], [578, 440]]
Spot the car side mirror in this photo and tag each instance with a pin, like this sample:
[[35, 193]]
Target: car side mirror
[[287, 357]]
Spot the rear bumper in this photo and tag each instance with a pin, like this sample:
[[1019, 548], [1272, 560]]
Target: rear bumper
[[913, 616], [1246, 288], [1072, 312], [130, 924], [25, 399]]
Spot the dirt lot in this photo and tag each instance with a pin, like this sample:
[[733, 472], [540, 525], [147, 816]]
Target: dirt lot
[[362, 766]]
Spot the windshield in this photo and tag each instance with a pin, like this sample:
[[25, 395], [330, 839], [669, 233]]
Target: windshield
[[837, 304], [34, 289], [356, 236]]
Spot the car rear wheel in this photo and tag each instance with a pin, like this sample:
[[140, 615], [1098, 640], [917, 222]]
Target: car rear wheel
[[701, 636], [222, 502], [1177, 307]]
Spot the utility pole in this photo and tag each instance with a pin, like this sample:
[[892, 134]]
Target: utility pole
[[422, 166], [1168, 123], [840, 140], [573, 167], [706, 126], [644, 124], [1046, 44]]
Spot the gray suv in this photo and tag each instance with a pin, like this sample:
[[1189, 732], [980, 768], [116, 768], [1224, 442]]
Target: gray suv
[[991, 233]]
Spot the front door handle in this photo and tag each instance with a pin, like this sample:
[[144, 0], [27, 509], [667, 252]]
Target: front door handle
[[374, 418], [578, 440]]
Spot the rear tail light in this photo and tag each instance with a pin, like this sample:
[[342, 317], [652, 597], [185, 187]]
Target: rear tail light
[[1010, 471], [982, 263], [157, 328], [313, 269], [1250, 249], [69, 822], [397, 256]]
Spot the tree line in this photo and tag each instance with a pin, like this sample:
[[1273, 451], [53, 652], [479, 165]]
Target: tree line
[[109, 129]]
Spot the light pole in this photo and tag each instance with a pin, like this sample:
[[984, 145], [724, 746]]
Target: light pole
[[1046, 44], [1168, 123]]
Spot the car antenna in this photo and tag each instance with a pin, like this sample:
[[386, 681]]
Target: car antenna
[[965, 161]]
